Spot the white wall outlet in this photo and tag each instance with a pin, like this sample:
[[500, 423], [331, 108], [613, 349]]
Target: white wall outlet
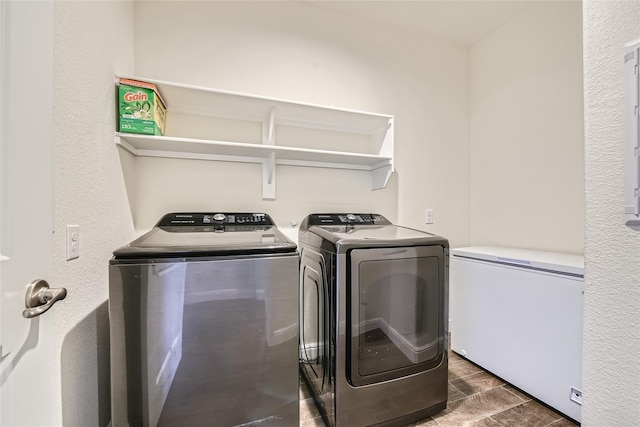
[[576, 396], [73, 242], [428, 216]]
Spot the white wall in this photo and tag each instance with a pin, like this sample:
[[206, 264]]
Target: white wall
[[92, 41], [612, 285], [303, 53], [527, 167]]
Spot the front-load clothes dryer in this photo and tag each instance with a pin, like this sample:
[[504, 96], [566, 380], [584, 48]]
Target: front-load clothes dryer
[[373, 319], [204, 324]]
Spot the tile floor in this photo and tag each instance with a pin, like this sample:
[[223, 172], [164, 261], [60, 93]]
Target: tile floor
[[476, 398]]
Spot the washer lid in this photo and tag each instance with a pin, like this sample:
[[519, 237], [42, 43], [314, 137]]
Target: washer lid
[[204, 234]]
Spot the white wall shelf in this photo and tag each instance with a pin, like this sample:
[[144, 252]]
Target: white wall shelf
[[269, 112]]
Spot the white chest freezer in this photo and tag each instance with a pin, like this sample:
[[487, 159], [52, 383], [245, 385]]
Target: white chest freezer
[[518, 314]]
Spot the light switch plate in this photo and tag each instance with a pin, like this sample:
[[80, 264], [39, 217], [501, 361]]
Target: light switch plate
[[73, 242]]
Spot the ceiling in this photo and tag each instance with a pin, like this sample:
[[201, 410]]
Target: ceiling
[[458, 21]]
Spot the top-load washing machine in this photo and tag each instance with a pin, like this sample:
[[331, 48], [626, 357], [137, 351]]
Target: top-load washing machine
[[373, 319], [204, 324]]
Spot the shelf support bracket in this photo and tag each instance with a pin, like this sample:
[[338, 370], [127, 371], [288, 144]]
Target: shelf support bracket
[[380, 175], [269, 177], [268, 128], [269, 164]]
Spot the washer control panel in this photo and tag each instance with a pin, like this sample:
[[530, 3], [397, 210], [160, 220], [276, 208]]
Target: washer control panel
[[215, 219], [347, 218]]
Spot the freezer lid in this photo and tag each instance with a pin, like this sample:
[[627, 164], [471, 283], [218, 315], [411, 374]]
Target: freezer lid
[[564, 263]]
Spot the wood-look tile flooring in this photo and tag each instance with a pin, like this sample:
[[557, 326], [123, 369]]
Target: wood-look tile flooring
[[476, 398]]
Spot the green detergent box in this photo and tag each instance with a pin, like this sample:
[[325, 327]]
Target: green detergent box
[[141, 108]]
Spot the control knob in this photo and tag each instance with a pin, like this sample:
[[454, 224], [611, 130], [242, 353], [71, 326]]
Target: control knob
[[218, 220]]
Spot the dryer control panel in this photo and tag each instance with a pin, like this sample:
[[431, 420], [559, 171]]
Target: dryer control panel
[[347, 218]]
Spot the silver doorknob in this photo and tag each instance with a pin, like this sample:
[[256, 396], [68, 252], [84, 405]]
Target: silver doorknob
[[40, 297]]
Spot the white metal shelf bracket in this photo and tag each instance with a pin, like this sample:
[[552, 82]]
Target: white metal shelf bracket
[[126, 145], [269, 177], [381, 173], [268, 128], [380, 176], [384, 138], [269, 164]]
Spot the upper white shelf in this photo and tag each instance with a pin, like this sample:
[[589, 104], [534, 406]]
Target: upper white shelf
[[189, 99], [269, 112]]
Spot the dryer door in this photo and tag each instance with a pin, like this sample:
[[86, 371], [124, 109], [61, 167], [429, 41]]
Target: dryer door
[[397, 298]]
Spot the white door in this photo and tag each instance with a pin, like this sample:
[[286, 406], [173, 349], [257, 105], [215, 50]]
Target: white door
[[29, 368]]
